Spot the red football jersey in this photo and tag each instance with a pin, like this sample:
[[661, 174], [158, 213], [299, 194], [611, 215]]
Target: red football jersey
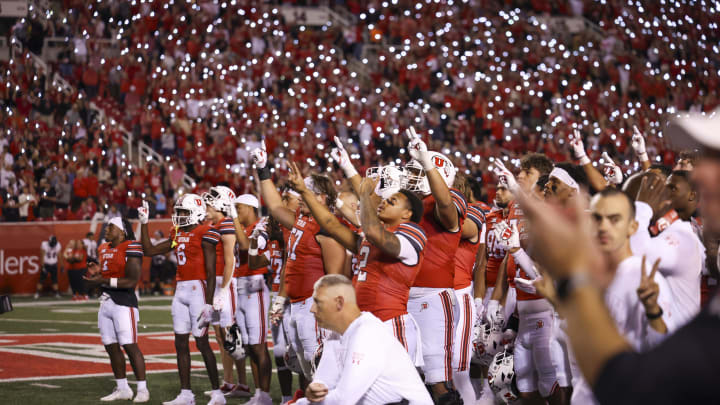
[[276, 262], [495, 252], [438, 268], [383, 281], [112, 259], [224, 227], [304, 263], [467, 251], [242, 267], [189, 252]]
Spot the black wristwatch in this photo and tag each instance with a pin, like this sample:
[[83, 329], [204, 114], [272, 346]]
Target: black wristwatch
[[566, 285], [652, 317]]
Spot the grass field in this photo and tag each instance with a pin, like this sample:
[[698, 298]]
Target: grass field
[[50, 353]]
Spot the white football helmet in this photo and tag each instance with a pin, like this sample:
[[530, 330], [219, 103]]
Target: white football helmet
[[220, 198], [501, 377], [194, 208], [487, 341], [391, 178], [414, 178], [233, 342]]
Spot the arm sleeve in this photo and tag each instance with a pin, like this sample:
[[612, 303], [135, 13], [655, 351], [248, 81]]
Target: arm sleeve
[[412, 241], [460, 203], [134, 249], [262, 241], [363, 364], [525, 262], [212, 236]]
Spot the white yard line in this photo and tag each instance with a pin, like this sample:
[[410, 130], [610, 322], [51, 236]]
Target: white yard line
[[45, 385], [32, 304]]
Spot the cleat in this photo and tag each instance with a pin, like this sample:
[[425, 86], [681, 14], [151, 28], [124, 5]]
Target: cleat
[[217, 399], [181, 400], [142, 396], [239, 391], [118, 394]]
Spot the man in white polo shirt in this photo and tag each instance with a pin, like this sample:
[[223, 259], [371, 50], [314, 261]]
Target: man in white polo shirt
[[361, 362]]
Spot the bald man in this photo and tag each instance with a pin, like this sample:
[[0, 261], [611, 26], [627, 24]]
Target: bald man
[[361, 362]]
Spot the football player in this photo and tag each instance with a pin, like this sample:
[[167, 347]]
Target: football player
[[389, 254], [195, 246], [310, 255], [432, 297], [220, 212], [51, 249], [469, 252], [117, 275], [253, 295]]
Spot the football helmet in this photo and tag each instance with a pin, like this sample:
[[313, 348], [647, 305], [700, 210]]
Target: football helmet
[[291, 360], [194, 210], [220, 198], [233, 342], [501, 377], [414, 178], [487, 341], [390, 180]]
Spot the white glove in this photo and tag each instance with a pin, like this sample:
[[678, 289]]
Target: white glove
[[493, 312], [233, 210], [277, 309], [578, 148], [613, 172], [526, 285], [205, 316], [340, 155], [504, 174], [638, 144], [259, 156], [219, 299], [479, 307], [418, 150], [238, 353], [144, 213], [506, 236]]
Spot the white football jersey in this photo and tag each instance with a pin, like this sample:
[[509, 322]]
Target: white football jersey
[[50, 253]]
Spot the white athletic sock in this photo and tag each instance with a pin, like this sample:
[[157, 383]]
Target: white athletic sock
[[187, 393], [217, 392], [142, 385], [285, 399], [122, 383]]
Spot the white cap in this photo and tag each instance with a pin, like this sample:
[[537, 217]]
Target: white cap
[[695, 130], [117, 221], [248, 199]]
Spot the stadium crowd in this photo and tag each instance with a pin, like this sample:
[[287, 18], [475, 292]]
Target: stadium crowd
[[202, 83]]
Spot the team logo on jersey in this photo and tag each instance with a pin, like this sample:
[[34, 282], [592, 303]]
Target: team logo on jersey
[[539, 324], [357, 357]]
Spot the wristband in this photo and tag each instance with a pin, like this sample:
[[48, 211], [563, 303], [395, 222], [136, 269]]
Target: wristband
[[654, 316], [643, 157], [113, 282], [339, 203], [350, 172], [264, 173], [566, 286], [253, 251], [584, 161]]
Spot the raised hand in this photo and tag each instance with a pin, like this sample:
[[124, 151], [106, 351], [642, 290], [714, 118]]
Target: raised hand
[[654, 193], [613, 172], [505, 175], [648, 290], [295, 178], [340, 155], [418, 149], [638, 144], [578, 148], [259, 156], [144, 213]]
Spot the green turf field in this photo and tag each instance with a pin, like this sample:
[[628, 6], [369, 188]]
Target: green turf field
[[50, 317]]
